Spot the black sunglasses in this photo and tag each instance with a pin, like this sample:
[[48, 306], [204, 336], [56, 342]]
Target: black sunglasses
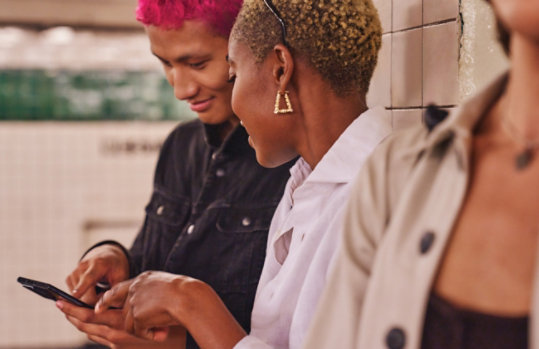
[[272, 8]]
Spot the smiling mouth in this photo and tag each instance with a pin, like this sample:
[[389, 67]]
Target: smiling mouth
[[201, 106]]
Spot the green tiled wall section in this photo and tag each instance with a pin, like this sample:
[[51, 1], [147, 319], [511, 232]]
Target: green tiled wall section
[[88, 95]]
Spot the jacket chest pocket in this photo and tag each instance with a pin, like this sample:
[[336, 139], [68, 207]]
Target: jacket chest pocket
[[165, 218], [244, 220], [240, 240]]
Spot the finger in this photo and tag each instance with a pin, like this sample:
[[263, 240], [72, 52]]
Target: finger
[[112, 318], [73, 279], [70, 282], [100, 340], [115, 297], [90, 277], [142, 332], [129, 321], [160, 334], [101, 333], [80, 313]]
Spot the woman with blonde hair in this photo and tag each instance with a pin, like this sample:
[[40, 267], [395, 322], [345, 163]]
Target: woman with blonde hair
[[440, 247], [301, 70]]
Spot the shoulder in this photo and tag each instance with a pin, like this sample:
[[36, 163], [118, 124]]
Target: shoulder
[[186, 131], [184, 136], [398, 150]]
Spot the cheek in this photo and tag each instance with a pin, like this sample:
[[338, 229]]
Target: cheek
[[169, 76], [241, 101], [519, 16], [234, 101], [215, 78]]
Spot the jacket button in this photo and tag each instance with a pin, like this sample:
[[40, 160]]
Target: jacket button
[[433, 116], [246, 221], [395, 338], [426, 242], [190, 229], [160, 210], [220, 172]]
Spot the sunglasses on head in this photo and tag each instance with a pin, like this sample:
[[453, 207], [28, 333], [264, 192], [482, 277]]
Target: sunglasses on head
[[272, 8]]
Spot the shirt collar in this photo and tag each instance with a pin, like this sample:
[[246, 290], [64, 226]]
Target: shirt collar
[[346, 156]]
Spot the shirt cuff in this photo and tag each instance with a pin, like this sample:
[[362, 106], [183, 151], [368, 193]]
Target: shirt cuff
[[251, 342]]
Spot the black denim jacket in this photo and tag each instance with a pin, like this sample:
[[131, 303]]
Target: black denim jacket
[[209, 214]]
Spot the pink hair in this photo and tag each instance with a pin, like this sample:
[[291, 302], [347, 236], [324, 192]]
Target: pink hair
[[170, 14]]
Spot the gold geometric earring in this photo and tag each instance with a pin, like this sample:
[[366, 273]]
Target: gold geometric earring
[[288, 108]]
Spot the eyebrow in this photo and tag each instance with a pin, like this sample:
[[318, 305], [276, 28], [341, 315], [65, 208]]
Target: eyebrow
[[180, 58]]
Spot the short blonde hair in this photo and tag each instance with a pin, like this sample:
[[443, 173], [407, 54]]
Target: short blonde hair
[[340, 38]]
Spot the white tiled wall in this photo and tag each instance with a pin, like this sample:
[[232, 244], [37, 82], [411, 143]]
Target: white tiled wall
[[418, 62], [62, 187], [433, 51], [440, 64]]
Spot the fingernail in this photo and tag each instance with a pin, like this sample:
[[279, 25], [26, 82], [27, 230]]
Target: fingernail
[[60, 305], [74, 291]]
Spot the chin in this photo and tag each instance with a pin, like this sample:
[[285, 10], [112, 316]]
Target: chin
[[272, 161]]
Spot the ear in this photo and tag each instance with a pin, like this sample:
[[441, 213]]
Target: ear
[[283, 66]]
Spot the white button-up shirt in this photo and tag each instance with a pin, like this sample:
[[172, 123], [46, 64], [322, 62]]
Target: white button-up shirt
[[304, 234]]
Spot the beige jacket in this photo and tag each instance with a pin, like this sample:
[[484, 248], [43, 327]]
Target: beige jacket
[[399, 218]]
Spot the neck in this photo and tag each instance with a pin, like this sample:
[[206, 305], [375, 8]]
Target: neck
[[522, 102], [324, 118]]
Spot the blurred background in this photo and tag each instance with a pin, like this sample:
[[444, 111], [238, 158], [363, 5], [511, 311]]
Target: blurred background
[[84, 108]]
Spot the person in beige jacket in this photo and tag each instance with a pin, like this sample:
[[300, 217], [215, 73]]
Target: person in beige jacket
[[440, 244]]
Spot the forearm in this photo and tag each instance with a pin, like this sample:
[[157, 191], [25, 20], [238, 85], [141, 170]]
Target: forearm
[[206, 317]]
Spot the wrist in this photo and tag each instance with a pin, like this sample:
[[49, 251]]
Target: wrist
[[204, 315], [190, 295]]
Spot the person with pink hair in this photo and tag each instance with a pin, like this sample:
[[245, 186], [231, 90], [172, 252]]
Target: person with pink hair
[[212, 204]]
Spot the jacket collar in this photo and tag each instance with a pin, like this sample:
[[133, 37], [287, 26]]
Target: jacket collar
[[234, 143], [462, 121]]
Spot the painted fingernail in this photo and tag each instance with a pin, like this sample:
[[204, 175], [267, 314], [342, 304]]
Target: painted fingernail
[[60, 305]]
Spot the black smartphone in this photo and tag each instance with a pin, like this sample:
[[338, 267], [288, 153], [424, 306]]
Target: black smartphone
[[51, 292]]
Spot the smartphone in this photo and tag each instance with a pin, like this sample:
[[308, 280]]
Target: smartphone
[[51, 292]]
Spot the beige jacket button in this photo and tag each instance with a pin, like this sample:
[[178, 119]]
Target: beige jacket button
[[395, 338], [426, 242]]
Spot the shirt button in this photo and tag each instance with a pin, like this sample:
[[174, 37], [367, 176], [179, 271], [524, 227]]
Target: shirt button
[[214, 156], [426, 242], [190, 229], [160, 210], [220, 172], [395, 338], [246, 221]]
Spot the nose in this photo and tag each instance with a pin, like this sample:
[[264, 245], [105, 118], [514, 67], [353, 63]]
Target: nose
[[184, 85]]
